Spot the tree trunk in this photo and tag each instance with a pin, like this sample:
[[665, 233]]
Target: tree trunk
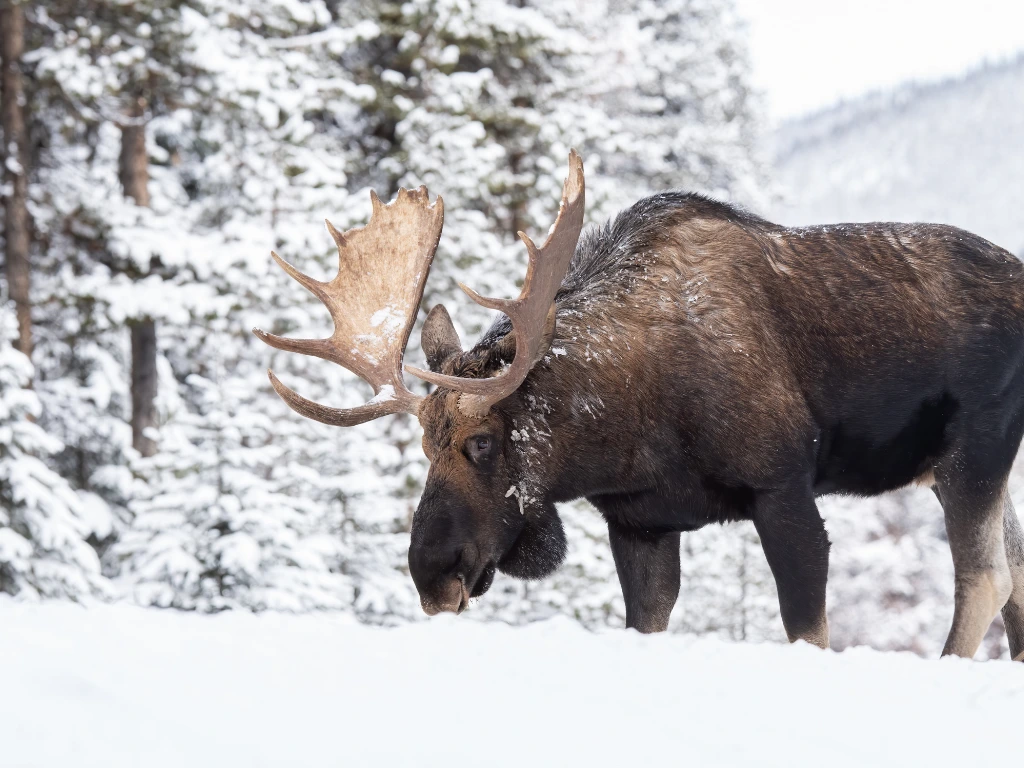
[[133, 169], [15, 174], [144, 385], [133, 164]]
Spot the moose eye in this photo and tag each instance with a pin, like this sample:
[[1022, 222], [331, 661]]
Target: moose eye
[[479, 447]]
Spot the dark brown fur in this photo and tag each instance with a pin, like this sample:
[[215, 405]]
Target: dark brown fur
[[707, 366]]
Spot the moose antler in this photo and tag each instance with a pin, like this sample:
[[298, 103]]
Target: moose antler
[[532, 313], [373, 301]]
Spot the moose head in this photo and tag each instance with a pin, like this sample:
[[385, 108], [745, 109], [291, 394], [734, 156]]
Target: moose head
[[476, 514]]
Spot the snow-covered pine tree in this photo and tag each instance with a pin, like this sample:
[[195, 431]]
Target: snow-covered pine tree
[[676, 77], [45, 527], [215, 525], [105, 262], [464, 97], [259, 501]]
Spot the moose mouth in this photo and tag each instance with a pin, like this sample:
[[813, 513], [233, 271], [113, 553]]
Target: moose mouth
[[462, 590], [483, 583]]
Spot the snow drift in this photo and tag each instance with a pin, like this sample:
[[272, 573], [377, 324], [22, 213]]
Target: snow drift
[[125, 686]]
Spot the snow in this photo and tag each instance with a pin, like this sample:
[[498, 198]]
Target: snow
[[521, 497], [391, 318], [125, 686], [386, 394]]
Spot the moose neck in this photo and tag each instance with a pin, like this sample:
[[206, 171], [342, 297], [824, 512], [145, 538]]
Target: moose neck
[[579, 418]]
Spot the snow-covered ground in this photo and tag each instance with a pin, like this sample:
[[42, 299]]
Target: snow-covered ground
[[124, 686]]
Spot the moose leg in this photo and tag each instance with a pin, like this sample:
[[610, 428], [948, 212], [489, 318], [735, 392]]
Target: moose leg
[[648, 567], [1013, 611], [796, 545], [983, 581]]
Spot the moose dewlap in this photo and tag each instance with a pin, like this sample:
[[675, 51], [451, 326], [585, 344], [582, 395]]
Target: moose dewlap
[[690, 363]]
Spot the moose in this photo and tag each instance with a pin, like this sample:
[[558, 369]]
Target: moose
[[691, 363]]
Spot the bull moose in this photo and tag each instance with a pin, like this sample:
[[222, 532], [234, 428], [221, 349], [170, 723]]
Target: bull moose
[[690, 363]]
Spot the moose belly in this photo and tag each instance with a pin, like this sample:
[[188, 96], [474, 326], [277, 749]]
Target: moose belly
[[885, 446]]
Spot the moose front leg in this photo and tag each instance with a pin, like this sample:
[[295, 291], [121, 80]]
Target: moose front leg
[[648, 567], [796, 545]]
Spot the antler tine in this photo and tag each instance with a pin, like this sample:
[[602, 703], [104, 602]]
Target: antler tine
[[339, 239], [313, 286], [530, 312], [373, 301], [502, 305], [314, 347], [343, 417]]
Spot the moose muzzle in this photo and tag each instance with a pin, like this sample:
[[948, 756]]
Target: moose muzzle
[[444, 575]]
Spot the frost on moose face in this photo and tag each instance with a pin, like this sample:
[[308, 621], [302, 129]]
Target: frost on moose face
[[479, 512]]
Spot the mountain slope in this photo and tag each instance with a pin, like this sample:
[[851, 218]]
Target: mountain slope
[[950, 152]]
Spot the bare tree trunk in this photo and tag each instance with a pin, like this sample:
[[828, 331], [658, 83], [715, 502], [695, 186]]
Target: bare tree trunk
[[15, 175], [133, 164], [133, 169], [518, 202], [144, 385]]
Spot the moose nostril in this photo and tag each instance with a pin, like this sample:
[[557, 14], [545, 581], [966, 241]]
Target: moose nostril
[[429, 563], [458, 563]]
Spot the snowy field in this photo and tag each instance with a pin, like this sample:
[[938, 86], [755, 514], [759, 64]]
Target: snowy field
[[125, 686]]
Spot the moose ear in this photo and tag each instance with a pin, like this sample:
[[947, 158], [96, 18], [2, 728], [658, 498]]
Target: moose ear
[[439, 338]]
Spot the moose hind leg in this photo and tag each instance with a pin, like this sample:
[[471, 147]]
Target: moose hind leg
[[796, 546], [983, 582], [1013, 611]]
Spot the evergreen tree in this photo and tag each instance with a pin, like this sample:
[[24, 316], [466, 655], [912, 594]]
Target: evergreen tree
[[100, 70], [45, 527], [259, 504], [14, 156], [687, 113]]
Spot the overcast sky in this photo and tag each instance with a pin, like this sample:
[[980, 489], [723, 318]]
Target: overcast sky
[[811, 53]]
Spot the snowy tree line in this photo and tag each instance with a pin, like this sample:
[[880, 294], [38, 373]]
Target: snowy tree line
[[154, 153]]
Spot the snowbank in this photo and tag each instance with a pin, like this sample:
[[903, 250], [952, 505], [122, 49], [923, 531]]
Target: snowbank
[[124, 686]]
